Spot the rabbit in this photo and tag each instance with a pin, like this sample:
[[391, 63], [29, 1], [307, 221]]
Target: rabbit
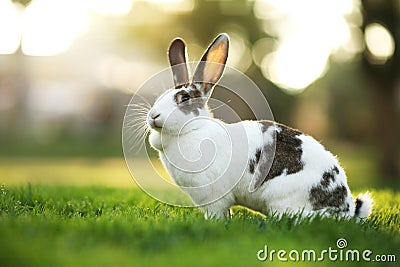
[[263, 165]]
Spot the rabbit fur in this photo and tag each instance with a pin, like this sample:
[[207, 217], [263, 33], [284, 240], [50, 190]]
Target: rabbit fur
[[262, 165]]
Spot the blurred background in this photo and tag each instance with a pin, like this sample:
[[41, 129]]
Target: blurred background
[[68, 69]]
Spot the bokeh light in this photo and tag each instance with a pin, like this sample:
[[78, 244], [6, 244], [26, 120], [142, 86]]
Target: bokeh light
[[262, 47], [107, 7], [295, 71], [50, 26], [9, 27], [239, 47], [308, 32], [380, 42]]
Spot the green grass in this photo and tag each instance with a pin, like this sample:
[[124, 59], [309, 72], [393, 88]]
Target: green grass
[[99, 226], [89, 212]]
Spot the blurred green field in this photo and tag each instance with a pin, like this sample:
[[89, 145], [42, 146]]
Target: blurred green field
[[112, 171], [109, 172]]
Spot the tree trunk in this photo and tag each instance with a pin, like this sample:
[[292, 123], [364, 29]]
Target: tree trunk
[[383, 79]]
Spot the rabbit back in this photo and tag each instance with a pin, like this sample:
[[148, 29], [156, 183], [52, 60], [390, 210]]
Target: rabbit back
[[301, 176]]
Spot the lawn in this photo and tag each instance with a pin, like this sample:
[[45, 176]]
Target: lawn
[[71, 215]]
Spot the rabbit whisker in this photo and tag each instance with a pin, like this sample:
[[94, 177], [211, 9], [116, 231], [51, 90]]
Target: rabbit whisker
[[137, 138]]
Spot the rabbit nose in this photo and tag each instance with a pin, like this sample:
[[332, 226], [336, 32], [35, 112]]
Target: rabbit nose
[[155, 116]]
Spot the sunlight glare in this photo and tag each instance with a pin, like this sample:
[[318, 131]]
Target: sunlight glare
[[175, 6], [9, 27], [308, 32], [50, 26], [379, 41], [292, 70], [165, 1], [110, 7]]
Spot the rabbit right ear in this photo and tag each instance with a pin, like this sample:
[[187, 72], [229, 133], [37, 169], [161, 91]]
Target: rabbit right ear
[[212, 64], [177, 60]]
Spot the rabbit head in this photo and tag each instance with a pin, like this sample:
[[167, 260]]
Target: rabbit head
[[177, 110]]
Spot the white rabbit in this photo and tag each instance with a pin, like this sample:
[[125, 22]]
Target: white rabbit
[[262, 165]]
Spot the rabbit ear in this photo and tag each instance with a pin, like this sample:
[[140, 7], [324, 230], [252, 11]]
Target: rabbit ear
[[212, 64], [177, 60]]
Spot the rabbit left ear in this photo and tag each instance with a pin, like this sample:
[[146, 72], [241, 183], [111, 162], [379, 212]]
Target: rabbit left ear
[[212, 64], [177, 60]]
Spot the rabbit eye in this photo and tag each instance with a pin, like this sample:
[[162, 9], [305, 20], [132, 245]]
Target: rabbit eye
[[184, 98]]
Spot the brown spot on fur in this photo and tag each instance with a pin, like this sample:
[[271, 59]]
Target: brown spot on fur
[[254, 162], [251, 166], [194, 104], [329, 176], [179, 86], [287, 156], [258, 154], [288, 153], [321, 197], [358, 206], [265, 125]]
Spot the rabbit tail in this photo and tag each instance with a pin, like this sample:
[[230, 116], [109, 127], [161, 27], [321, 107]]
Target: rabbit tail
[[364, 203]]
